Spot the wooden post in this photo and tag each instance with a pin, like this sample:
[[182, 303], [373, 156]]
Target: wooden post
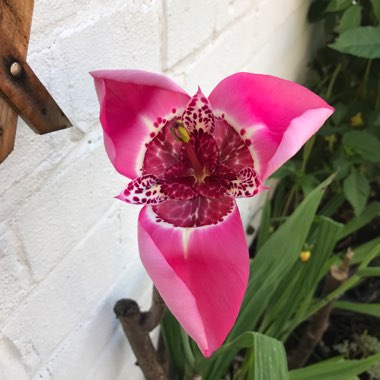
[[21, 93], [15, 21]]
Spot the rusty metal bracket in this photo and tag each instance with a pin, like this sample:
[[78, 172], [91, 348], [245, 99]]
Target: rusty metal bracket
[[21, 92]]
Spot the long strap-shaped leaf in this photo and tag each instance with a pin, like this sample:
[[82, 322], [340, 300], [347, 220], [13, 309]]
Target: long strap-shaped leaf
[[270, 266], [268, 356], [335, 369], [372, 309]]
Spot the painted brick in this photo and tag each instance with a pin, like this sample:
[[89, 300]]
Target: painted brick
[[17, 357], [11, 361], [117, 361], [278, 14], [66, 294], [245, 40], [122, 38], [59, 215], [59, 16], [33, 161], [295, 31], [73, 359], [15, 279], [228, 11], [189, 25], [216, 62]]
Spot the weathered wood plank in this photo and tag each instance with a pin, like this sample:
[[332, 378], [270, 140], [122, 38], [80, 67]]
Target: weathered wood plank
[[21, 92], [15, 21], [27, 94]]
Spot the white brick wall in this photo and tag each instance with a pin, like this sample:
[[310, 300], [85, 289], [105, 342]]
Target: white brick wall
[[68, 250]]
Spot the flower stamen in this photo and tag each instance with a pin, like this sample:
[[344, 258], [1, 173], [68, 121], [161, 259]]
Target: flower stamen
[[180, 133]]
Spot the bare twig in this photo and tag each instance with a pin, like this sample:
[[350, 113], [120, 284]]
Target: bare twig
[[137, 325], [320, 321]]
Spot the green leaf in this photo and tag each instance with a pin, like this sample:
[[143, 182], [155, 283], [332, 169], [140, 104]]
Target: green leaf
[[361, 42], [363, 143], [376, 8], [316, 10], [275, 259], [351, 18], [285, 170], [340, 113], [303, 291], [338, 5], [263, 234], [369, 272], [334, 370], [362, 252], [271, 264], [350, 282], [308, 182], [269, 357], [171, 331], [370, 212], [372, 309], [356, 188], [333, 204]]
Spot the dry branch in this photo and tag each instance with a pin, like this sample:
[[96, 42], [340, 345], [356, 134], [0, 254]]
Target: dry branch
[[136, 326]]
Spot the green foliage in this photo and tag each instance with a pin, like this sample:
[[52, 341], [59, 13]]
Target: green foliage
[[172, 334], [361, 42], [376, 8], [362, 143], [351, 18], [338, 369], [369, 309], [346, 72], [356, 189], [266, 357], [337, 5]]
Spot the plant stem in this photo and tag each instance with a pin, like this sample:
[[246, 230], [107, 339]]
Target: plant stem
[[187, 349], [332, 81], [289, 200], [306, 153], [377, 103], [366, 76]]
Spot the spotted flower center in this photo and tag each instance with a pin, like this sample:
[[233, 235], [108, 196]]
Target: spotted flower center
[[200, 171], [194, 167]]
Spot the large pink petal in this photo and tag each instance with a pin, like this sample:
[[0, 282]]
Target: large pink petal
[[201, 273], [274, 116], [135, 105]]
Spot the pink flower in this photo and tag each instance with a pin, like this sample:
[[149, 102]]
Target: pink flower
[[188, 159]]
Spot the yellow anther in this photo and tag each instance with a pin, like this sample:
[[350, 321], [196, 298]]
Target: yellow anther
[[179, 132], [183, 134], [305, 256], [357, 120]]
